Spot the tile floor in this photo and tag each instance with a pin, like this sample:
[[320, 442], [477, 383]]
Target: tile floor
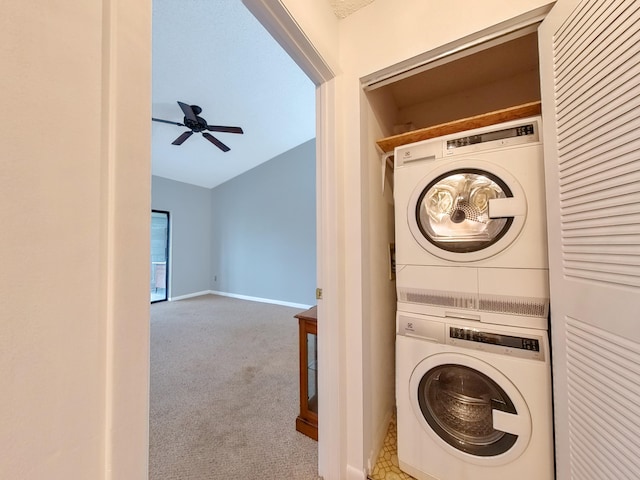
[[386, 467]]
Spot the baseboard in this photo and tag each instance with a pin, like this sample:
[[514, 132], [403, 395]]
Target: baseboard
[[190, 295], [355, 474], [258, 299], [379, 439]]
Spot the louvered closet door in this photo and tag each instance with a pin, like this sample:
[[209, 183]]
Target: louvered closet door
[[590, 72]]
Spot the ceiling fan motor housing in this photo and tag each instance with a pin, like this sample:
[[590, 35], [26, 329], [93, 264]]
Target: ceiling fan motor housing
[[198, 125]]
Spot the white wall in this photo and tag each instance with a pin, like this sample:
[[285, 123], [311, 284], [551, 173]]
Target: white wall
[[74, 239], [380, 35]]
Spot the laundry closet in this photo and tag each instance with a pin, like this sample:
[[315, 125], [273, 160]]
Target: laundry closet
[[591, 94], [486, 81]]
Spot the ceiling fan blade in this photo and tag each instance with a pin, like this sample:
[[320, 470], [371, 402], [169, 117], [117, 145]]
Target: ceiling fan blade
[[188, 111], [167, 121], [181, 138], [220, 128], [216, 142]]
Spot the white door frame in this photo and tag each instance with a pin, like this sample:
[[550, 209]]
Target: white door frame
[[331, 419]]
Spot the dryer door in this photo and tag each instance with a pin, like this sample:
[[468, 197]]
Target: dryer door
[[472, 410], [467, 210]]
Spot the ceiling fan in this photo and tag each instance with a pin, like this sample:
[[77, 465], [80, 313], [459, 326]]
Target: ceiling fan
[[198, 124]]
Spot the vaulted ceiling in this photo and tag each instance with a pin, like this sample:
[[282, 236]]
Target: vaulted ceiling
[[216, 55]]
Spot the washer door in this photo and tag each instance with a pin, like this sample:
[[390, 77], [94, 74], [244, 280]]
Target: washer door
[[471, 409], [467, 210]]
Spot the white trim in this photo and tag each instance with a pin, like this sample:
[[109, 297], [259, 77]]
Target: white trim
[[258, 299], [241, 297], [378, 441], [126, 207], [331, 350], [190, 295], [355, 474], [494, 35], [279, 22]]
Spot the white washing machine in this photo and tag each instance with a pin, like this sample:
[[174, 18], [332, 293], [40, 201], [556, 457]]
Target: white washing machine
[[471, 207], [474, 401]]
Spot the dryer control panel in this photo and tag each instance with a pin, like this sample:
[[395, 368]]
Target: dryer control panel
[[508, 134], [505, 137], [491, 136]]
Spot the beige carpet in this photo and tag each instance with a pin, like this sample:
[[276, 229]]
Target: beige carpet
[[224, 392]]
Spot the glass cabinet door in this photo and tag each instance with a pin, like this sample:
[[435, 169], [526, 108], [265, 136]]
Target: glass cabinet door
[[307, 421], [312, 373]]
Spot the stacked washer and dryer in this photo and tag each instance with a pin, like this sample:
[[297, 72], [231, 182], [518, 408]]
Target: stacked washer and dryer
[[473, 376]]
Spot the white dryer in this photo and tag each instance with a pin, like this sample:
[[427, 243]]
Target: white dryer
[[474, 401], [471, 207]]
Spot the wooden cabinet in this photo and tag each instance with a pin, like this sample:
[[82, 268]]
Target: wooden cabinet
[[307, 421]]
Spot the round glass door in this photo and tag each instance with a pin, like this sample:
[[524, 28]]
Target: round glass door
[[452, 212], [458, 402]]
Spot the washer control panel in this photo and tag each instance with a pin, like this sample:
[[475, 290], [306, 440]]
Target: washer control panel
[[461, 335], [520, 346]]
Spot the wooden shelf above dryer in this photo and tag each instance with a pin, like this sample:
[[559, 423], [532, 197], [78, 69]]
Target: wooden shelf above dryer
[[513, 113]]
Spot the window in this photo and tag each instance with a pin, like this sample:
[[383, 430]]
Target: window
[[159, 255]]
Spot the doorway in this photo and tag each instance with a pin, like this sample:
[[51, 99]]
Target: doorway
[[209, 237], [159, 256]]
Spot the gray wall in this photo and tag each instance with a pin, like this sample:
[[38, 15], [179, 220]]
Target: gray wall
[[189, 207], [264, 230], [254, 235]]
